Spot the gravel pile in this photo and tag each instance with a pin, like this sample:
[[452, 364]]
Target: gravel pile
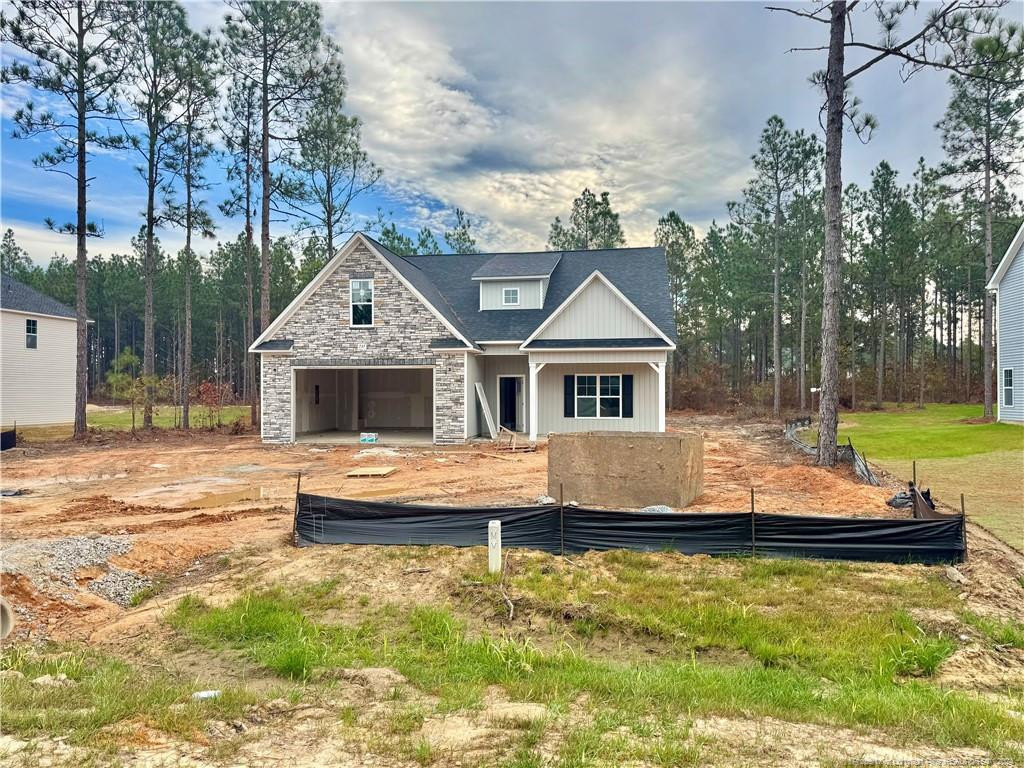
[[119, 586], [51, 564]]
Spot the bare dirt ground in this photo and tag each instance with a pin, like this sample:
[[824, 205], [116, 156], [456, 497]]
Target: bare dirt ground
[[177, 499], [211, 515]]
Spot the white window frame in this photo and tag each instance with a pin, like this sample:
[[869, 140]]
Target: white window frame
[[34, 335], [1005, 388], [352, 304], [504, 296], [596, 397]]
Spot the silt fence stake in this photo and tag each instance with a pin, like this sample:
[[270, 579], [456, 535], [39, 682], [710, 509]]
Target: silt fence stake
[[561, 516], [753, 526]]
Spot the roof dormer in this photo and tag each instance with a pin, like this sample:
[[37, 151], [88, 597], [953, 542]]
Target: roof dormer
[[515, 280]]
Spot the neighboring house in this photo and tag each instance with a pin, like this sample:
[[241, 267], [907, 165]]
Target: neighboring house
[[37, 357], [558, 342], [1008, 285]]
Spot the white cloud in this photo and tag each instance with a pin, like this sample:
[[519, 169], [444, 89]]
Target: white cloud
[[512, 132]]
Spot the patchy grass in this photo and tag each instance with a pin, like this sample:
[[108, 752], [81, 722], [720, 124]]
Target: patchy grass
[[1000, 633], [104, 691], [985, 461], [822, 643]]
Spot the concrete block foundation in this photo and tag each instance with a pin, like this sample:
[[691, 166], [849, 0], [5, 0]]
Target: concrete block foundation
[[626, 469]]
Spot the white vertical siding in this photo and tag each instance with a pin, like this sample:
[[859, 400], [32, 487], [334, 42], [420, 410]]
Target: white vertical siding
[[37, 386], [506, 365], [474, 373], [1010, 341], [597, 313], [531, 293], [550, 406]]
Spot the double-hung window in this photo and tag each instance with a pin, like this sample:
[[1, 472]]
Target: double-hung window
[[361, 302], [510, 297], [31, 333], [1008, 387], [598, 396]]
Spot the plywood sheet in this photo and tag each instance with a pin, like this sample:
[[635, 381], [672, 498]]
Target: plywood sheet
[[371, 472]]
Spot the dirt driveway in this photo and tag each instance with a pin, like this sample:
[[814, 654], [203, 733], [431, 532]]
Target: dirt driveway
[[98, 527]]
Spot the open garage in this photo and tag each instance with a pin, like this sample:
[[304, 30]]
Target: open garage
[[337, 404]]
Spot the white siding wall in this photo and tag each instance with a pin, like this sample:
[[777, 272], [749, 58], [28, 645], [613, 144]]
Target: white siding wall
[[1010, 330], [37, 386], [597, 313], [474, 373], [531, 293], [507, 365], [550, 406]]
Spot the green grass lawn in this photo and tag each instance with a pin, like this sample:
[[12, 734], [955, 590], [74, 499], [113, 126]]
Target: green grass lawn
[[985, 462], [164, 416]]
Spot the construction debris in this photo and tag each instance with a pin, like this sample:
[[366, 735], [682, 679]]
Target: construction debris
[[371, 472]]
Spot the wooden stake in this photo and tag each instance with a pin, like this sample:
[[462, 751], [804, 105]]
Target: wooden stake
[[963, 524], [561, 516], [915, 472], [295, 518], [753, 526]]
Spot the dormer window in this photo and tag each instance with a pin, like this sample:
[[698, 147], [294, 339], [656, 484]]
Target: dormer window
[[510, 297]]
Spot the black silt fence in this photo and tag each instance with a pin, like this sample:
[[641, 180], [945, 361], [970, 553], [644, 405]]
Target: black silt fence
[[8, 439], [323, 520]]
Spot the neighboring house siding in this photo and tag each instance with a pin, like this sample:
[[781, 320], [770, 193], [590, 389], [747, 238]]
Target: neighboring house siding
[[403, 329], [531, 294], [550, 404], [1010, 329], [37, 386], [597, 313]]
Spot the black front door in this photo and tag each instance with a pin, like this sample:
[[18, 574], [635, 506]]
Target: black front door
[[508, 399]]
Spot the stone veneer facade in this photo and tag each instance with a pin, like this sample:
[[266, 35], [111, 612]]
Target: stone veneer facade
[[401, 335]]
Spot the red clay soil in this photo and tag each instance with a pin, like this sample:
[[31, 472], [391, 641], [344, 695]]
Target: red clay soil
[[184, 497]]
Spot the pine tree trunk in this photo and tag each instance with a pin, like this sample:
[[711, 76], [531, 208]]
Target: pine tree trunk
[[921, 348], [802, 377], [777, 315], [986, 331], [81, 254], [828, 412], [148, 341], [880, 356]]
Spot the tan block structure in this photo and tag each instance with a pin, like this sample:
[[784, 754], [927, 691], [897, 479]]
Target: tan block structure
[[626, 469]]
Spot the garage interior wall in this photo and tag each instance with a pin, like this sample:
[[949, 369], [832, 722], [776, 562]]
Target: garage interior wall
[[365, 398]]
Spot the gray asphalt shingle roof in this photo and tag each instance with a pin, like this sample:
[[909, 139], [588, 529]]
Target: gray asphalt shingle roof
[[519, 265], [17, 296], [641, 274], [275, 345]]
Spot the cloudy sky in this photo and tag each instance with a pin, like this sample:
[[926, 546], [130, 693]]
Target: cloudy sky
[[508, 110]]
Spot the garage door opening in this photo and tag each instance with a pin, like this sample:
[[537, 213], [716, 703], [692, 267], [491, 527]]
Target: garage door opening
[[334, 405]]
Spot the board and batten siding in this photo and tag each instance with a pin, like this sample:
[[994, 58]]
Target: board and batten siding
[[37, 386], [531, 294], [506, 365], [597, 313], [474, 373], [550, 413], [1010, 337]]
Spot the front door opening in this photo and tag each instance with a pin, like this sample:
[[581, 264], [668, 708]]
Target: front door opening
[[510, 399]]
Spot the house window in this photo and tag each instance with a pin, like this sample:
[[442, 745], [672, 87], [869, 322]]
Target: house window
[[1008, 387], [361, 292], [510, 297], [31, 333], [599, 397]]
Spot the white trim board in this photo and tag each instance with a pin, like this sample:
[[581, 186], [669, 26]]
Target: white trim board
[[328, 270], [1004, 264], [596, 275]]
